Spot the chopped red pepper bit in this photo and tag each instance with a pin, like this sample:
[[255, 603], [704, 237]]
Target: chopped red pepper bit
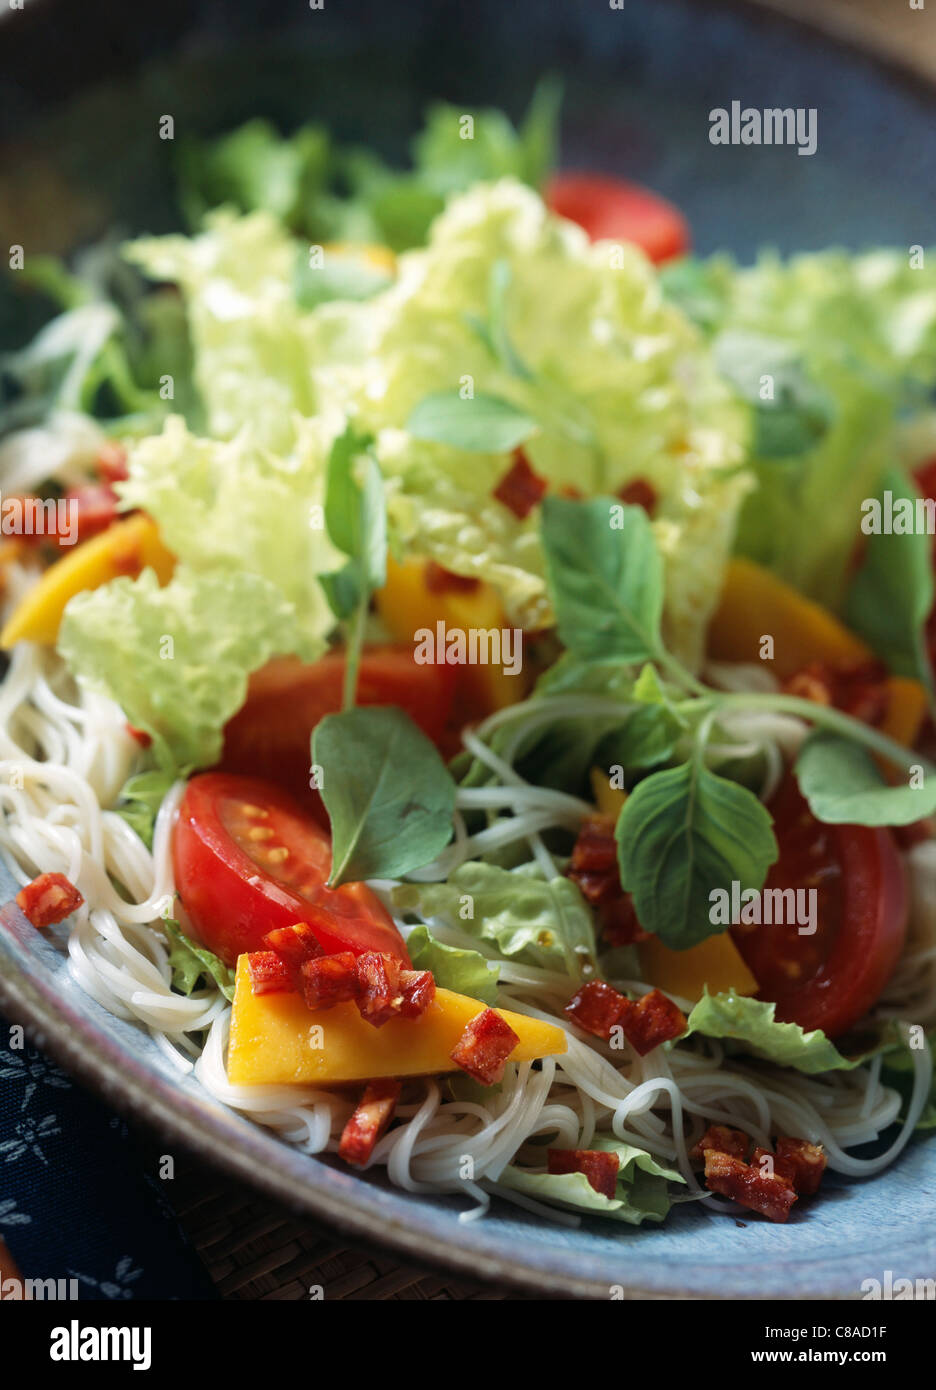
[[860, 691], [418, 992], [379, 994], [520, 489], [597, 1008], [806, 1161], [601, 1169], [111, 463], [370, 1119], [49, 899], [594, 867], [295, 944], [484, 1047], [442, 581], [653, 1020], [142, 737], [725, 1140], [269, 973], [328, 980], [743, 1183], [639, 493]]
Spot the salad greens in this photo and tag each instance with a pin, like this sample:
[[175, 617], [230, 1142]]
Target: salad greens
[[383, 825], [190, 962], [641, 1193], [453, 967], [176, 659], [520, 914], [751, 1023], [845, 343]]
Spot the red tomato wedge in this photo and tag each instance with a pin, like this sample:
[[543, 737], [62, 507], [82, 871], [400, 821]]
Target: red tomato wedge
[[247, 859], [829, 979], [270, 735], [611, 209]]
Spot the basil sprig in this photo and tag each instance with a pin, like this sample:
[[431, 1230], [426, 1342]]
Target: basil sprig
[[389, 796], [684, 830]]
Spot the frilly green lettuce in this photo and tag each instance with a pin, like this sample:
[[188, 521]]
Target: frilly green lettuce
[[251, 363], [624, 389], [862, 333], [234, 506], [176, 659]]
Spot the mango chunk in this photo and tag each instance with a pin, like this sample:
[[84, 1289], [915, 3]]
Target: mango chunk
[[126, 548], [407, 604], [609, 800], [755, 603], [275, 1038], [715, 962]]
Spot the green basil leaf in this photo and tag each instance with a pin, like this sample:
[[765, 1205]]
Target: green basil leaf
[[682, 833], [355, 514], [464, 971], [844, 786], [606, 584], [482, 424], [892, 594], [190, 962], [389, 796], [799, 413]]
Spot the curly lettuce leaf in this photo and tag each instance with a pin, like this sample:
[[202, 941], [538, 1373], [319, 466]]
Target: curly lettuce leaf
[[750, 1022], [465, 972], [251, 360], [176, 659], [855, 340], [641, 1193], [232, 506], [191, 962], [618, 380], [140, 799], [522, 916]]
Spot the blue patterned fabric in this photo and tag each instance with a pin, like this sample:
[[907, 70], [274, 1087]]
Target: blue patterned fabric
[[80, 1195]]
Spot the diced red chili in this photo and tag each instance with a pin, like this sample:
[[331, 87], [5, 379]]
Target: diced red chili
[[639, 493], [442, 581], [860, 690], [95, 505], [111, 463], [295, 944], [369, 1121], [653, 1020], [49, 899], [484, 1047], [379, 995], [328, 980], [617, 918], [142, 737], [269, 973], [418, 992], [520, 489], [595, 849], [597, 1008], [725, 1140], [594, 867], [807, 1161], [601, 1169], [731, 1177]]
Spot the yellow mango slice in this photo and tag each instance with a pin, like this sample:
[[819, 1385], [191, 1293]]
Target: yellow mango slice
[[126, 548], [609, 800], [715, 962], [276, 1039], [406, 604], [755, 603]]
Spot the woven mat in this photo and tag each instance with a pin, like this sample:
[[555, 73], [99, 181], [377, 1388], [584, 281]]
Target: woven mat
[[255, 1249]]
